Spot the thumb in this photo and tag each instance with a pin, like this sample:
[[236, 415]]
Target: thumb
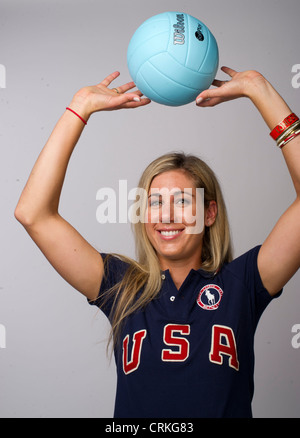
[[208, 98], [121, 100], [129, 97], [206, 94]]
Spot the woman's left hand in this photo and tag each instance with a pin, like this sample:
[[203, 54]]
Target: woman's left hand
[[276, 268], [240, 85]]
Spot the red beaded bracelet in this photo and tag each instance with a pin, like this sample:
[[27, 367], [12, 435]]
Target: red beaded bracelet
[[77, 115], [282, 126]]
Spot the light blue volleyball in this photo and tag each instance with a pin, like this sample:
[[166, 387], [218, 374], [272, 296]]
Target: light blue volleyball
[[172, 57]]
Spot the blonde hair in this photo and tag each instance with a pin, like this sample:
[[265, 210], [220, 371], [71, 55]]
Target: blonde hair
[[145, 274]]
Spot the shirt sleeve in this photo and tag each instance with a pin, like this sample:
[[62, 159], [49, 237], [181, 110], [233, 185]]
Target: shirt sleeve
[[114, 270], [246, 268]]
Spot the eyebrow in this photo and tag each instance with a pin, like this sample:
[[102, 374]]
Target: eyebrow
[[179, 192]]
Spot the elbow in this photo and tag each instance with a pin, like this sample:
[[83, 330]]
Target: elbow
[[30, 217], [23, 216]]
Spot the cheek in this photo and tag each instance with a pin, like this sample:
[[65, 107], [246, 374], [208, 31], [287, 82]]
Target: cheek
[[194, 216], [152, 215], [188, 215], [149, 231]]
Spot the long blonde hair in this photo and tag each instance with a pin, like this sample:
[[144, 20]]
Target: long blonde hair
[[145, 274]]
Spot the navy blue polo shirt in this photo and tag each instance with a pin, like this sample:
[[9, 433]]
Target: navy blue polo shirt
[[189, 353]]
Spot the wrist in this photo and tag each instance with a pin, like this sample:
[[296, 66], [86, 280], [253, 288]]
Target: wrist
[[256, 86], [80, 110], [77, 115], [268, 101], [80, 104]]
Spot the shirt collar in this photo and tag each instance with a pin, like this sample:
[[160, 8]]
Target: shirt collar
[[203, 273], [200, 272]]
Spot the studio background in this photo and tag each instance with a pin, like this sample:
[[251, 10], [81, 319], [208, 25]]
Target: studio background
[[54, 363]]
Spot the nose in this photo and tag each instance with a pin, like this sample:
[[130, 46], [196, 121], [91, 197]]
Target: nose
[[167, 211]]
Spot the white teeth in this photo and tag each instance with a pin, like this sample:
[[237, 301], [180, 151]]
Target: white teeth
[[170, 233]]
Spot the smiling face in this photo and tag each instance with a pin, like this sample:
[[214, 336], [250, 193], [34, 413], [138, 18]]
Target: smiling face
[[172, 217]]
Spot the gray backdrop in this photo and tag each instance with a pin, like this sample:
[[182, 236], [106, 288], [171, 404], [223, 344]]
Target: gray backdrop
[[53, 344]]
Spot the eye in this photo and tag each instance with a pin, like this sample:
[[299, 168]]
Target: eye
[[156, 202], [183, 202]]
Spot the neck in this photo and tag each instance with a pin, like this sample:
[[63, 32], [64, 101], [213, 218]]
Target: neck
[[179, 269]]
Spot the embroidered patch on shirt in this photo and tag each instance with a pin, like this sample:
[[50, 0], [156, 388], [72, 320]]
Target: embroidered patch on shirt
[[209, 297]]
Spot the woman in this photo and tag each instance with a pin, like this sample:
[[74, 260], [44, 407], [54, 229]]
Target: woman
[[184, 315]]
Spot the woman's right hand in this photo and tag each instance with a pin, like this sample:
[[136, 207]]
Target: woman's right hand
[[101, 98]]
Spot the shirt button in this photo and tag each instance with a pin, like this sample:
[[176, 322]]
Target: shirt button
[[172, 298], [163, 277]]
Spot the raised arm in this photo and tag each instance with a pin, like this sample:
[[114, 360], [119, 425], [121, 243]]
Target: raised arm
[[279, 256], [37, 210]]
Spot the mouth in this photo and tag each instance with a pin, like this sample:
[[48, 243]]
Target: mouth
[[169, 234]]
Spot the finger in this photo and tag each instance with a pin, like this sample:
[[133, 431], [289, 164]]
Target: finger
[[209, 102], [108, 80], [121, 90], [127, 101], [218, 83], [119, 100], [229, 71], [126, 87], [129, 97], [138, 93], [208, 94], [133, 104]]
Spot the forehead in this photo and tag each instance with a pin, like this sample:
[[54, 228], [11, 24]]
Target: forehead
[[173, 178]]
